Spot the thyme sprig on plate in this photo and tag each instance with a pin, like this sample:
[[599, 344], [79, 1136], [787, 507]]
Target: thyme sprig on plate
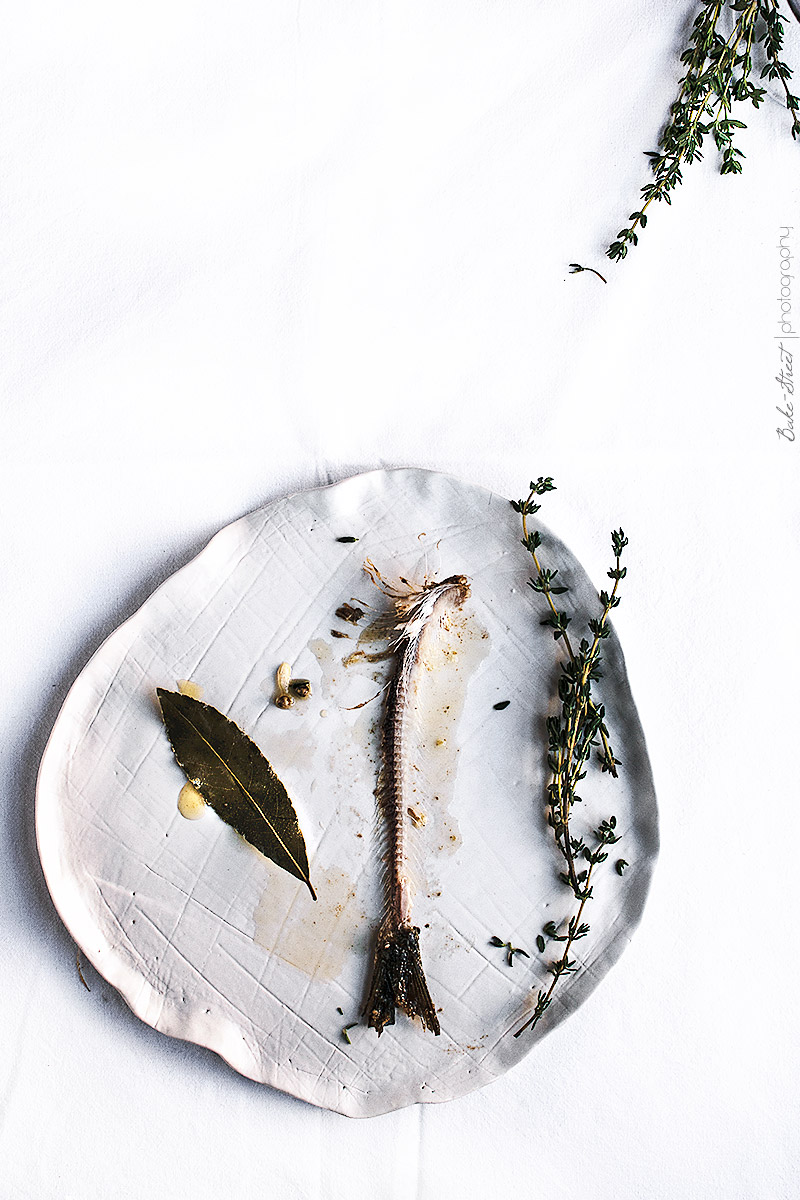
[[718, 72], [604, 835], [573, 732]]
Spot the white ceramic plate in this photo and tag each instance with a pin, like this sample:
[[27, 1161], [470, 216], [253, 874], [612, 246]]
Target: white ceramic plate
[[209, 941]]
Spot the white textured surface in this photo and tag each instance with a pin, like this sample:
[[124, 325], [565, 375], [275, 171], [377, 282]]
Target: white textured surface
[[254, 248], [209, 942]]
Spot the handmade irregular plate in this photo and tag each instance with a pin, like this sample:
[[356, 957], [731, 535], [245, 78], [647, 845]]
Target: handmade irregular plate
[[209, 941]]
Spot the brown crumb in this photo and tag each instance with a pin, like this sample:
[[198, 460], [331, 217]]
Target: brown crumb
[[346, 612]]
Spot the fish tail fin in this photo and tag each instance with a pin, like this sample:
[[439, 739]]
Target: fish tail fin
[[398, 980]]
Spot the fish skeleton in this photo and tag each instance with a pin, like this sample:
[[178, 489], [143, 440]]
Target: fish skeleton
[[417, 619]]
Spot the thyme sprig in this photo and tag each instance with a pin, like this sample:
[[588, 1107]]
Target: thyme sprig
[[718, 73], [577, 729], [605, 835], [576, 269]]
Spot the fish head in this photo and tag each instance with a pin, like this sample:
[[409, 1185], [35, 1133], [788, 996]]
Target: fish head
[[460, 583]]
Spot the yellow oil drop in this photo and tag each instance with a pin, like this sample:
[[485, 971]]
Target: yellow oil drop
[[193, 690], [190, 803]]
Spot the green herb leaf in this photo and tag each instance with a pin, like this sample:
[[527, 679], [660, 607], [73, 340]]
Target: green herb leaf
[[235, 779]]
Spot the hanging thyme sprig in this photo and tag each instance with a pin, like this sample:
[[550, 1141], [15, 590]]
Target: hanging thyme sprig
[[718, 72], [573, 733]]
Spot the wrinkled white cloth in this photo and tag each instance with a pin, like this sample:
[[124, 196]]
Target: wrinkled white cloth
[[252, 248]]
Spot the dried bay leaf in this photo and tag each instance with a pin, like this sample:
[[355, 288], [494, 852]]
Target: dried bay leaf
[[235, 779]]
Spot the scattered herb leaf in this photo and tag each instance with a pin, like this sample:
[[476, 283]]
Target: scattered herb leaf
[[509, 949], [235, 779], [347, 539], [620, 866], [501, 704]]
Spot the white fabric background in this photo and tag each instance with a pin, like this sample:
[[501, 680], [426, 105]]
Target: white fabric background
[[252, 248]]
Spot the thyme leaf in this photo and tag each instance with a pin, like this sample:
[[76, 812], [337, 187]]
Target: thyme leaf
[[509, 949]]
